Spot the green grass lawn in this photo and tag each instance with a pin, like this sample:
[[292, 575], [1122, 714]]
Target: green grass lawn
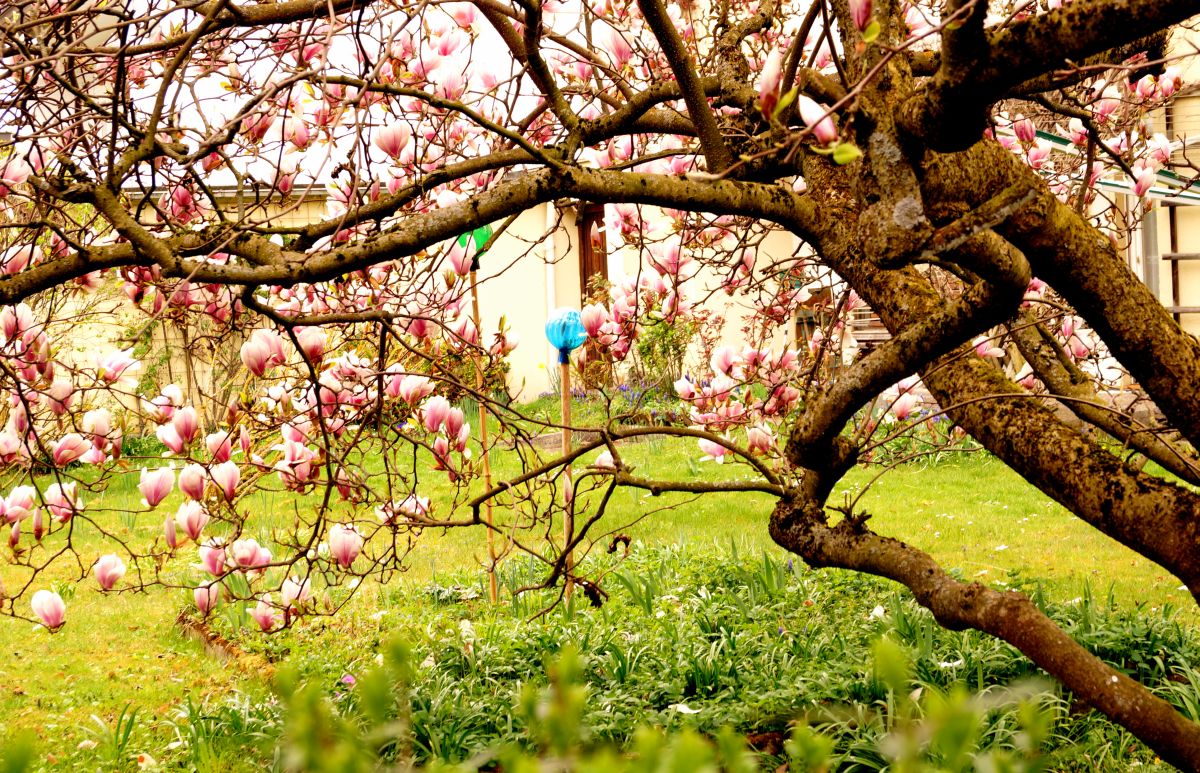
[[973, 514]]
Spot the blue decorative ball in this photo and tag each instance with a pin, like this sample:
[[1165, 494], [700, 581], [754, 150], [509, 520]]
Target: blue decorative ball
[[566, 333]]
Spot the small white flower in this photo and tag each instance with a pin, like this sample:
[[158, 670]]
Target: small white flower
[[878, 612], [1001, 547], [683, 708], [950, 663]]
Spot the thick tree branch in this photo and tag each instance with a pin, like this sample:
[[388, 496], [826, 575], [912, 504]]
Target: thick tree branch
[[1043, 355], [1084, 265], [800, 526], [716, 152], [949, 112], [982, 306]]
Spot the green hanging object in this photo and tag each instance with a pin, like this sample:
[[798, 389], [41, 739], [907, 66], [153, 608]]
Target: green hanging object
[[479, 237]]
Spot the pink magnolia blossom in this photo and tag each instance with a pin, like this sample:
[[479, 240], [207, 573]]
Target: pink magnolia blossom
[[820, 125], [294, 593], [712, 450], [14, 172], [414, 506], [206, 597], [393, 139], [459, 259], [450, 84], [296, 132], [435, 410], [98, 424], [186, 424], [1144, 177], [605, 461], [504, 343], [613, 43], [1077, 131], [860, 11], [212, 557], [1160, 148], [903, 407], [192, 480], [296, 467], [265, 613], [49, 608], [685, 389], [462, 13], [60, 395], [156, 485], [1168, 82], [17, 259], [454, 421], [227, 475], [1024, 129], [986, 347], [1025, 377], [170, 535], [1037, 156], [108, 569], [768, 87], [114, 366], [15, 321], [20, 503], [413, 388], [220, 445], [69, 449], [191, 518], [264, 350], [174, 394], [464, 331], [760, 440], [593, 317], [726, 361], [312, 343], [345, 543], [248, 554], [1146, 87], [256, 125]]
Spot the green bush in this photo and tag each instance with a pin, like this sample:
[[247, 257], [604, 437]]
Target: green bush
[[727, 655]]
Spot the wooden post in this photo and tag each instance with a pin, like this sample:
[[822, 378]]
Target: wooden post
[[493, 589], [564, 381]]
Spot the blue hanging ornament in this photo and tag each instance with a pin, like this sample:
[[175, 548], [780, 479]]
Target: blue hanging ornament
[[566, 333]]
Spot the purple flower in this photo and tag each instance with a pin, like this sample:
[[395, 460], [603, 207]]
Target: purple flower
[[349, 680]]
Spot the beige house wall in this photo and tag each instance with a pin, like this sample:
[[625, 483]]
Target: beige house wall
[[1179, 281], [523, 263]]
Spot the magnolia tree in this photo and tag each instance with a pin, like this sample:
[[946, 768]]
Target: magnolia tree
[[173, 151]]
